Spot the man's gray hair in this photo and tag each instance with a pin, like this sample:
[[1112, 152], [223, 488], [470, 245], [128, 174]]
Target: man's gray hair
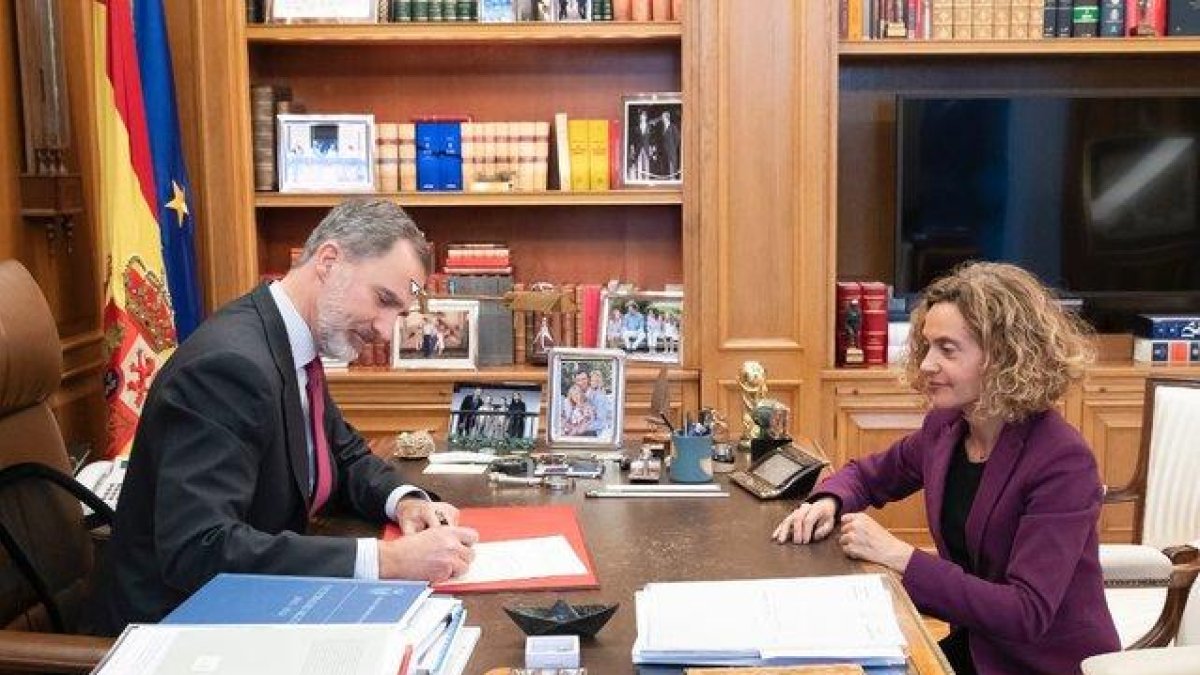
[[366, 228]]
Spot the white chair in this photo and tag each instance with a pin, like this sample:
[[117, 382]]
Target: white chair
[[1165, 489], [1182, 659]]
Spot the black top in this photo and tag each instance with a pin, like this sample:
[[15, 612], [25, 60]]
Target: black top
[[962, 482]]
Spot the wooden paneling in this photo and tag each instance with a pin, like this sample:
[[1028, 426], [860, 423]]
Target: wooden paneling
[[1111, 422], [766, 100], [11, 239]]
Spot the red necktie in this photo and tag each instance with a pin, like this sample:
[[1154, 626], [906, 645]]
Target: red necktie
[[323, 480]]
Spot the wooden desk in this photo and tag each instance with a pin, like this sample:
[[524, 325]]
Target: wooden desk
[[636, 541]]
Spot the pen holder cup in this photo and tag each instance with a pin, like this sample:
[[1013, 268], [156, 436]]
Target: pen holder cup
[[691, 459]]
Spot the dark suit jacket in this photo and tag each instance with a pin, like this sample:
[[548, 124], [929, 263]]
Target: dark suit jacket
[[1037, 604], [219, 473]]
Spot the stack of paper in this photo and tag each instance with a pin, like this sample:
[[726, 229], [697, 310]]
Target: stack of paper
[[843, 619]]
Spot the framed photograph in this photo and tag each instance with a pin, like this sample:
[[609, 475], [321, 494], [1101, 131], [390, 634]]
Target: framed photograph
[[498, 11], [587, 397], [497, 414], [571, 10], [646, 326], [326, 153], [446, 336], [322, 11], [653, 139]]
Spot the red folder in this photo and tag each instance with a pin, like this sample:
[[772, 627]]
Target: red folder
[[504, 523]]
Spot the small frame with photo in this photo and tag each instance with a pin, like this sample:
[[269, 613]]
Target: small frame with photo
[[571, 10], [647, 326], [498, 11], [653, 139], [322, 11], [326, 153], [587, 398], [500, 415], [444, 336]]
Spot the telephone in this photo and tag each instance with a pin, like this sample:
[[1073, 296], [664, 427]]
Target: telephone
[[104, 479], [787, 471]]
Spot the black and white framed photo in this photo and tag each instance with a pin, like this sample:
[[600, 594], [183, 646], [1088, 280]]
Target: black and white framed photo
[[572, 10], [497, 414], [647, 326], [322, 11], [445, 336], [587, 397], [326, 153], [653, 139]]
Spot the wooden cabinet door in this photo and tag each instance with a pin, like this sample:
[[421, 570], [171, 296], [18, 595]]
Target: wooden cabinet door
[[868, 418], [1111, 422]]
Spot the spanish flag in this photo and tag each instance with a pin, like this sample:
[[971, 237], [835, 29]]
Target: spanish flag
[[152, 298]]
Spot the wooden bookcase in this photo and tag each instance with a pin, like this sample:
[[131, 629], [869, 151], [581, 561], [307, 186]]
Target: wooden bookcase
[[865, 410], [492, 72]]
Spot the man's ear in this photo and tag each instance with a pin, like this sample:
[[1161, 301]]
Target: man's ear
[[327, 255]]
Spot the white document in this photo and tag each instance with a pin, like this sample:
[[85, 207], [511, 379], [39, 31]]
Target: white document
[[281, 649], [521, 559], [775, 621], [456, 469], [461, 457]]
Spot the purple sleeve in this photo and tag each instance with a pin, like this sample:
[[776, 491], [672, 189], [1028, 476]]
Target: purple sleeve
[[884, 477], [1061, 505]]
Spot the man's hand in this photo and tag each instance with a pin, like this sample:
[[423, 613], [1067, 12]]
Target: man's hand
[[808, 523], [865, 539], [435, 554], [414, 515]]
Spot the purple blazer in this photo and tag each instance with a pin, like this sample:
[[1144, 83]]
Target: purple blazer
[[1036, 603]]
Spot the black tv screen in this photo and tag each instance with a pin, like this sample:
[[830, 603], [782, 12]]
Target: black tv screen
[[1098, 196]]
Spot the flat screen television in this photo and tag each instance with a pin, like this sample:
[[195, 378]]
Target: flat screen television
[[1098, 196]]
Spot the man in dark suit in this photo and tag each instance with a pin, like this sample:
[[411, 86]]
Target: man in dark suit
[[239, 441], [466, 415], [669, 142], [516, 416]]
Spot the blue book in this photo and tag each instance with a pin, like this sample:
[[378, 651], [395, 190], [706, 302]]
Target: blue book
[[257, 598], [1167, 327]]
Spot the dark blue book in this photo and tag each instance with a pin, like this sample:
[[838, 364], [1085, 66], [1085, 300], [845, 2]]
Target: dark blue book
[[257, 598], [1167, 326]]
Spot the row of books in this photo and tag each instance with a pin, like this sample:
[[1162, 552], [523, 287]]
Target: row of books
[[1173, 339], [1015, 19], [482, 258], [283, 624], [503, 11]]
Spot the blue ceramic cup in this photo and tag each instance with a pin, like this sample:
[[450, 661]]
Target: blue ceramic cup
[[691, 459]]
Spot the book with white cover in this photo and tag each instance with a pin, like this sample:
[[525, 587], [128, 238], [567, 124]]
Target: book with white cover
[[280, 649]]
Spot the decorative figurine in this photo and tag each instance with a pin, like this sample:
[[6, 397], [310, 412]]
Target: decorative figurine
[[772, 418], [413, 445], [561, 618], [753, 381], [854, 354], [543, 341]]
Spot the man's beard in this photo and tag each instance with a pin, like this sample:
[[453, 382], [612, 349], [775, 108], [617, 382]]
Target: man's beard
[[335, 339]]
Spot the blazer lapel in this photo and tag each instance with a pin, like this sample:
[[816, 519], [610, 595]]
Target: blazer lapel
[[996, 475], [935, 477], [293, 413]]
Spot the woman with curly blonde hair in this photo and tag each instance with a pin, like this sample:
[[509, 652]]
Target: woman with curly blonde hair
[[1012, 491]]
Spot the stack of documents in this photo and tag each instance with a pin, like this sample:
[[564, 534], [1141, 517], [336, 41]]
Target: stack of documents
[[764, 622], [243, 623]]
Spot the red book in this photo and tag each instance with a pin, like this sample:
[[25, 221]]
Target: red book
[[1154, 16], [590, 315], [874, 339], [846, 291]]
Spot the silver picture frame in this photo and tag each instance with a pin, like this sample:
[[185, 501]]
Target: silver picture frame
[[586, 408], [446, 336], [326, 153]]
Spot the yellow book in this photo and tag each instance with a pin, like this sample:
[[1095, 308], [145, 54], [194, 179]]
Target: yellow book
[[577, 142], [598, 154]]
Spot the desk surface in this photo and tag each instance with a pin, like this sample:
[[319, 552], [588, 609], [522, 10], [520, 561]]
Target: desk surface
[[636, 541]]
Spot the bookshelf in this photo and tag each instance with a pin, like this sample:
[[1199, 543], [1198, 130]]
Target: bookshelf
[[492, 72], [867, 409]]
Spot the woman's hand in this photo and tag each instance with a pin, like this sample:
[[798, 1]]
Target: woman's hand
[[864, 539], [808, 523]]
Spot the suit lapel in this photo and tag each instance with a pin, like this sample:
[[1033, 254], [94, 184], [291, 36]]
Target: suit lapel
[[293, 413], [935, 479], [996, 475]]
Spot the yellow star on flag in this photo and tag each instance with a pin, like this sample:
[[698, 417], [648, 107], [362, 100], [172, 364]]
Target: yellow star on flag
[[178, 202]]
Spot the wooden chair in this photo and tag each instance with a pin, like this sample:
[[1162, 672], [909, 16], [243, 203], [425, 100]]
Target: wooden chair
[[1149, 581], [1181, 659], [46, 548]]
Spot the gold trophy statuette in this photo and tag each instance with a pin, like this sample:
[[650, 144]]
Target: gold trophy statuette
[[753, 381]]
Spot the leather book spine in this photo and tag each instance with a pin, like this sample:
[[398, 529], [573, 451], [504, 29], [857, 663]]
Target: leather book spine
[[846, 291], [874, 322]]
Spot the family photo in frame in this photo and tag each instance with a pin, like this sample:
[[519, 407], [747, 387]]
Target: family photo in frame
[[500, 414], [587, 397], [647, 326], [326, 153], [445, 336], [653, 139]]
